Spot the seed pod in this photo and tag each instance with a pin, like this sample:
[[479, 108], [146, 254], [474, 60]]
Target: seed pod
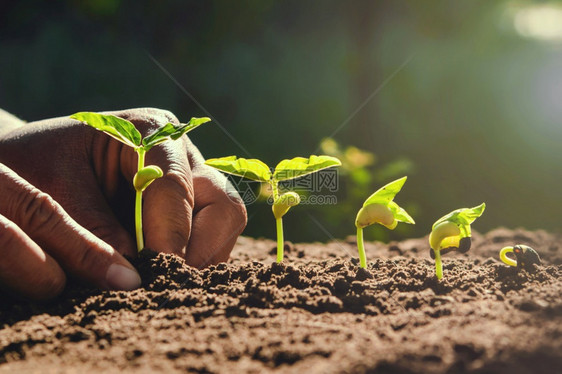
[[453, 243], [464, 244], [375, 213], [440, 234], [284, 202], [526, 256], [145, 176]]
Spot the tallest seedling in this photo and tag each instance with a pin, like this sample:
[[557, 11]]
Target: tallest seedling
[[256, 170], [125, 132]]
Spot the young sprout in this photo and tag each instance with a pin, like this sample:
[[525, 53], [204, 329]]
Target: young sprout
[[452, 232], [525, 256], [379, 208], [256, 170], [125, 132]]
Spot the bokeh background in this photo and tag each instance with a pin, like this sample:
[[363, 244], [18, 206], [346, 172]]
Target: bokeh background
[[464, 97]]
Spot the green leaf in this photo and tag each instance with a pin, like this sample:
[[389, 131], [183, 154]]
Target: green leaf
[[383, 197], [116, 127], [386, 194], [171, 131], [462, 218], [299, 166], [400, 214], [248, 168], [159, 136], [197, 121]]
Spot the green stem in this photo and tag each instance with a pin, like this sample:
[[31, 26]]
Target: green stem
[[138, 205], [438, 265], [274, 190], [280, 244], [361, 248]]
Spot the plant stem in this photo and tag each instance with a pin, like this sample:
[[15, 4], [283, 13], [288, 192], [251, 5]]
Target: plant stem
[[278, 222], [438, 265], [280, 244], [505, 259], [274, 189], [361, 248], [138, 205]]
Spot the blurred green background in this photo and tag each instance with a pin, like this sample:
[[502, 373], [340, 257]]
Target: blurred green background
[[465, 97]]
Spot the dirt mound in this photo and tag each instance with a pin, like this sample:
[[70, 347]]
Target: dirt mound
[[318, 311]]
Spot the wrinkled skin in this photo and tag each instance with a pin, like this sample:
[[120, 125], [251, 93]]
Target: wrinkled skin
[[68, 205]]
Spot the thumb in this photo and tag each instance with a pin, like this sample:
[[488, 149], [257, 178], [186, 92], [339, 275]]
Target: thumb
[[74, 248]]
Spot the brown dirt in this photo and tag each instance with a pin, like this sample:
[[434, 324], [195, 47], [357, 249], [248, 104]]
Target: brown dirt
[[318, 312]]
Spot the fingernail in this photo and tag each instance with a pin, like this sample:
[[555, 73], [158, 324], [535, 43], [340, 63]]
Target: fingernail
[[120, 277]]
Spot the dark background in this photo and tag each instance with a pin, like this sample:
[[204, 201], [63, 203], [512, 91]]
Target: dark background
[[465, 96]]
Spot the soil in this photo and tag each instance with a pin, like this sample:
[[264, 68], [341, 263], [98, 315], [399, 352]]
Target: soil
[[318, 312]]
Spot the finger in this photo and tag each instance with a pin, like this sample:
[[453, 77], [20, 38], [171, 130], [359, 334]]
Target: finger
[[77, 250], [8, 121], [75, 178], [93, 213], [25, 269], [219, 218], [168, 202], [90, 207]]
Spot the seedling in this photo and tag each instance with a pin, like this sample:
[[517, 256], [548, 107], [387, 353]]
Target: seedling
[[256, 170], [125, 132], [379, 208], [525, 256], [452, 233]]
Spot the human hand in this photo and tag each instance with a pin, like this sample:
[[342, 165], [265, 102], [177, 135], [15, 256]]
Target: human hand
[[192, 211], [38, 240]]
